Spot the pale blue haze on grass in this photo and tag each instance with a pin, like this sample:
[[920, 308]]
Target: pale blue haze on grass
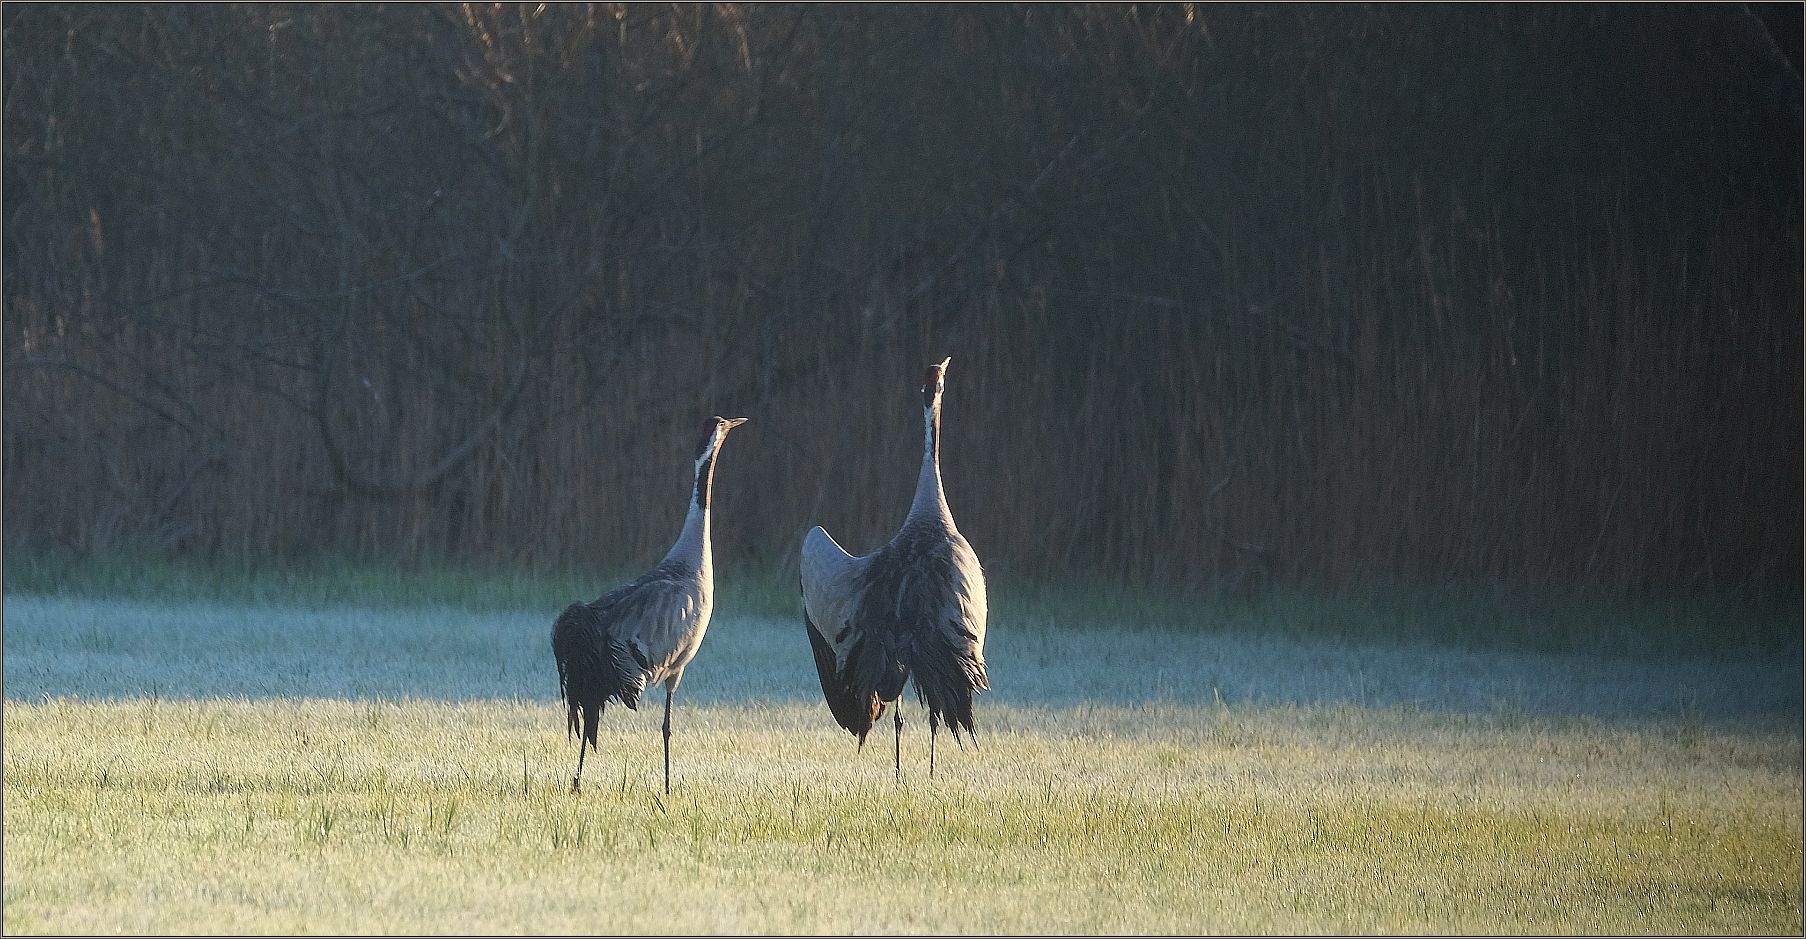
[[97, 648]]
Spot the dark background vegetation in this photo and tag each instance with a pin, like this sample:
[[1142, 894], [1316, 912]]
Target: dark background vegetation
[[1235, 294]]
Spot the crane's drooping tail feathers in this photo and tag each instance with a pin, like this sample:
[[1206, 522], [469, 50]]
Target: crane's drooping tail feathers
[[945, 680], [945, 675], [875, 672], [592, 668]]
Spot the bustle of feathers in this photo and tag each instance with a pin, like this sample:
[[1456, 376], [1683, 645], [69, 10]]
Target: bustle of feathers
[[597, 661], [914, 611]]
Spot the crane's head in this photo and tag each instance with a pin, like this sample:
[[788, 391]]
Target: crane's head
[[934, 382], [714, 431]]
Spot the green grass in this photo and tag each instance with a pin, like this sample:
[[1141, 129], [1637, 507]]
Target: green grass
[[342, 749], [149, 815]]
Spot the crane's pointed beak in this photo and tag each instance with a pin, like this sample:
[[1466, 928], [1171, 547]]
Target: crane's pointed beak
[[736, 422], [943, 365]]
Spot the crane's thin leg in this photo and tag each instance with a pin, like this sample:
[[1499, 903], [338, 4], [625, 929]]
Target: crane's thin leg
[[577, 780], [668, 693], [898, 750], [934, 724]]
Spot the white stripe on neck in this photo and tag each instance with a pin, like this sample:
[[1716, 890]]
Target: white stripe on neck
[[692, 547], [929, 496]]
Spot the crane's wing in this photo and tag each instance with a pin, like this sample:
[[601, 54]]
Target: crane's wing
[[660, 619], [833, 584]]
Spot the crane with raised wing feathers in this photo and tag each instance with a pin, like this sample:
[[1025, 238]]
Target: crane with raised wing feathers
[[646, 631], [911, 610]]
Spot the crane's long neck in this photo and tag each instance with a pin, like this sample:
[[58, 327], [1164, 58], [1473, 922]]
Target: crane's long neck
[[692, 545], [929, 497]]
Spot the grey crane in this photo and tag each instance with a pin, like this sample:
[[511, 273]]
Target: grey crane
[[646, 631], [913, 609]]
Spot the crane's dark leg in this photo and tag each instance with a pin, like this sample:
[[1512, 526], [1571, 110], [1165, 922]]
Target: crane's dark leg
[[668, 693], [577, 780], [898, 749]]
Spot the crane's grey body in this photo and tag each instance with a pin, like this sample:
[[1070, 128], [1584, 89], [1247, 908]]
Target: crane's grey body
[[645, 632], [631, 639], [912, 610]]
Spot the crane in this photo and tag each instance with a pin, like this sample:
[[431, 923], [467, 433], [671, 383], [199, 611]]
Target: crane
[[646, 631], [912, 610]]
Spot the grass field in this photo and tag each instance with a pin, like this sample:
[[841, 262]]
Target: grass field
[[180, 764]]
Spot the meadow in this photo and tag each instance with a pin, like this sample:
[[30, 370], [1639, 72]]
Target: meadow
[[328, 756]]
